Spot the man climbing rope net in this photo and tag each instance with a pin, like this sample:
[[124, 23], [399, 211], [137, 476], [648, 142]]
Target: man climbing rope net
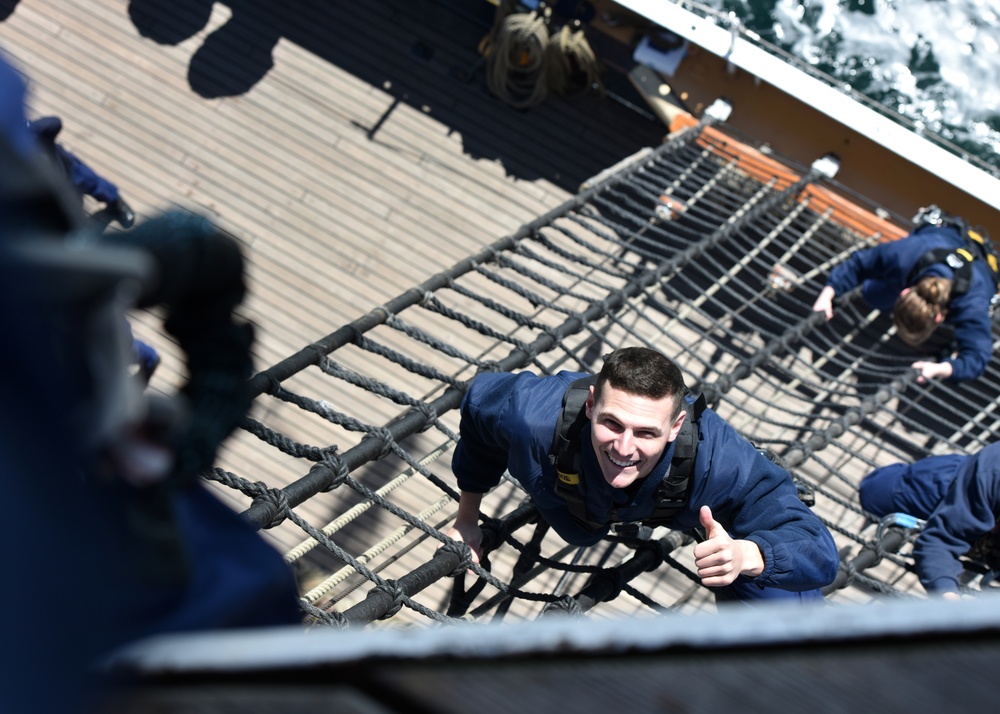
[[759, 542]]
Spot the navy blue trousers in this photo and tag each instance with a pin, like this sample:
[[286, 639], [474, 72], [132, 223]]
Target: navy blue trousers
[[915, 489]]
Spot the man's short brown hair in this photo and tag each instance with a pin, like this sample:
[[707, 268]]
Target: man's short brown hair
[[644, 372]]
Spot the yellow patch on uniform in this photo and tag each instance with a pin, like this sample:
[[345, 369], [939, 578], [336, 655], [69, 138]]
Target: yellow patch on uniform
[[571, 479]]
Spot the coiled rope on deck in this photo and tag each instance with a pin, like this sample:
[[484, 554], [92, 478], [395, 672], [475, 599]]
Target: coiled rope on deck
[[515, 60], [571, 66], [525, 61]]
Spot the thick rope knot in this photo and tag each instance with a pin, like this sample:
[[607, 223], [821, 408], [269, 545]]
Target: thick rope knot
[[493, 530], [464, 554], [490, 366], [566, 604], [387, 441], [392, 588], [273, 384], [319, 353], [800, 331], [807, 452], [357, 334], [429, 412], [311, 453], [618, 580], [725, 383], [638, 544], [851, 571], [336, 466], [327, 617], [277, 499], [878, 546]]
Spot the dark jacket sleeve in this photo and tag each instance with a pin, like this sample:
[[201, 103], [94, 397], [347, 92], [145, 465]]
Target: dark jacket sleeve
[[965, 515], [480, 456], [507, 423], [756, 500], [970, 316], [884, 262]]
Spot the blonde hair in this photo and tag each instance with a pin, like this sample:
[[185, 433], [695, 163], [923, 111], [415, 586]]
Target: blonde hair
[[917, 313]]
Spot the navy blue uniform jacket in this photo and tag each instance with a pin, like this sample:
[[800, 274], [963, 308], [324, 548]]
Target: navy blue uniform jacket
[[884, 270], [508, 422], [957, 495]]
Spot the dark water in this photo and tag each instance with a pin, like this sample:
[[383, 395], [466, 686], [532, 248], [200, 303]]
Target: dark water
[[936, 62]]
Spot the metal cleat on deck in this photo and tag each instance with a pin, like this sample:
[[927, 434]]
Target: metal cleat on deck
[[783, 278], [669, 208]]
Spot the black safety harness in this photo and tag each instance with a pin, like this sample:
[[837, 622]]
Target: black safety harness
[[674, 491], [959, 260]]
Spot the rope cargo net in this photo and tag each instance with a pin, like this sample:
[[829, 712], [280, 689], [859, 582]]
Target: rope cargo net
[[682, 249]]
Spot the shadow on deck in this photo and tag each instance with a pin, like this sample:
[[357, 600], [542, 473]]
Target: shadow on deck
[[423, 54]]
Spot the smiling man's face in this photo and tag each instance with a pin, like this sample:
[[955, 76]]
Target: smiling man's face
[[630, 433]]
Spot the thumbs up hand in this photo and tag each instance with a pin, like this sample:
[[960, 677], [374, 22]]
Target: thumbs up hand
[[720, 559], [713, 529]]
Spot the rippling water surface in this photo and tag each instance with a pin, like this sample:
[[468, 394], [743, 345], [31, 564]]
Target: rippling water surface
[[937, 62]]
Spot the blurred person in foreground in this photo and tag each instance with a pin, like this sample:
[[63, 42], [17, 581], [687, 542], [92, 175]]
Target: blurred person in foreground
[[105, 477]]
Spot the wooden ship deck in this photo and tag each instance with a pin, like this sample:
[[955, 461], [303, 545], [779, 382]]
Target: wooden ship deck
[[339, 143]]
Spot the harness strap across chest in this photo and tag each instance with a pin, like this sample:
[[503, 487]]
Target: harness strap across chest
[[674, 490], [960, 261]]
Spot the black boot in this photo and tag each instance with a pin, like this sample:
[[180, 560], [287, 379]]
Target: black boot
[[122, 213]]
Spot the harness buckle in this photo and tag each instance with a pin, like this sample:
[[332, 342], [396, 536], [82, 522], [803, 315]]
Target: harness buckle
[[634, 529], [931, 215], [934, 216], [954, 261]]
